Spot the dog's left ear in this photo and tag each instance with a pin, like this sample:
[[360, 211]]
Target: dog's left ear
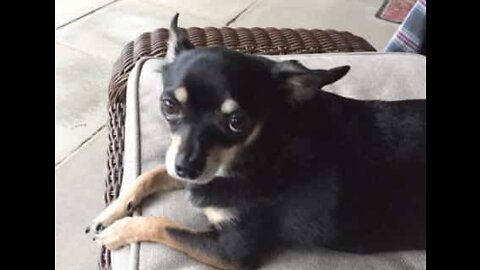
[[302, 83], [177, 40]]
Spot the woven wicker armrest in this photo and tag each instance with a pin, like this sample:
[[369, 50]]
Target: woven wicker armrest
[[269, 41]]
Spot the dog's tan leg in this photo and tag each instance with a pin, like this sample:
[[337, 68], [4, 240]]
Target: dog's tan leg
[[162, 230], [145, 185]]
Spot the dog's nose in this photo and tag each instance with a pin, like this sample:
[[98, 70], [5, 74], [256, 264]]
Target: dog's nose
[[181, 171], [190, 162], [187, 171]]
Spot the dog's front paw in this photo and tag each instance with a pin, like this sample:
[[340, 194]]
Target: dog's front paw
[[96, 227], [117, 235], [116, 210]]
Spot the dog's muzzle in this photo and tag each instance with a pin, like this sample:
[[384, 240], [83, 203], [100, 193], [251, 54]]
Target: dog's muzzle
[[188, 167]]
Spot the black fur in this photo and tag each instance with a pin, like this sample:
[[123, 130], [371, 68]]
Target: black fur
[[327, 171]]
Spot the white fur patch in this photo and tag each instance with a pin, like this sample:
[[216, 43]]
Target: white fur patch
[[181, 94], [212, 166], [172, 155], [228, 106], [216, 215]]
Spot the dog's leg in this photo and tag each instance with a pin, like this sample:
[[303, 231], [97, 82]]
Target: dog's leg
[[145, 185], [207, 247]]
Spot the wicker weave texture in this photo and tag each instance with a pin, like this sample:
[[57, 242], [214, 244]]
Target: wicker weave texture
[[270, 41]]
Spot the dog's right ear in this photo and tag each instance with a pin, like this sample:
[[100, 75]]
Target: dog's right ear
[[177, 40], [302, 83]]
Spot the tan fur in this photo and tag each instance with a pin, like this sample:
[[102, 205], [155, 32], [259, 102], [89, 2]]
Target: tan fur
[[153, 229], [228, 106], [227, 155], [181, 94], [224, 156], [254, 134], [145, 185]]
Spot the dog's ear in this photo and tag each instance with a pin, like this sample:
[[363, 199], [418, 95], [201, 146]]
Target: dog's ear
[[302, 83], [177, 40]]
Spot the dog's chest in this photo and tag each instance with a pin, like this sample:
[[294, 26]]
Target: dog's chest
[[217, 215]]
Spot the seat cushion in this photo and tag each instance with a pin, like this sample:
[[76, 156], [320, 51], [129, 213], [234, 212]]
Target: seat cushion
[[386, 76]]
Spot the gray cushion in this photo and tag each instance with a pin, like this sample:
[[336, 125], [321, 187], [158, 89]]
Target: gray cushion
[[390, 76]]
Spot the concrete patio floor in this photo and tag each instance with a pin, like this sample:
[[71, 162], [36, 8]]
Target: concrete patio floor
[[89, 38]]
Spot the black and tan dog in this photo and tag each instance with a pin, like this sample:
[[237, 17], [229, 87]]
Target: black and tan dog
[[277, 163]]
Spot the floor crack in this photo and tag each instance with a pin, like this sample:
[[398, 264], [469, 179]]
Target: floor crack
[[241, 12], [86, 14], [88, 139]]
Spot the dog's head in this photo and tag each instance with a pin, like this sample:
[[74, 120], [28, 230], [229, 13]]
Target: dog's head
[[216, 102]]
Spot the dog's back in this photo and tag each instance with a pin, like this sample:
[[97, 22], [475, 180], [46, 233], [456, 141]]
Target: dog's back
[[356, 174]]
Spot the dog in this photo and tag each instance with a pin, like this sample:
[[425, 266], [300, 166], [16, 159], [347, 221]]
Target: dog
[[276, 163]]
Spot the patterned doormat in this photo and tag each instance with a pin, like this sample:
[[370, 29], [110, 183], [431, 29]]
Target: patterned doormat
[[395, 10]]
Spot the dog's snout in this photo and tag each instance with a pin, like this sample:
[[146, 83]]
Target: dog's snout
[[188, 166], [187, 172], [180, 170]]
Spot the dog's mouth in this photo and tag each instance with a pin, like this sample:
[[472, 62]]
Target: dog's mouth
[[217, 164]]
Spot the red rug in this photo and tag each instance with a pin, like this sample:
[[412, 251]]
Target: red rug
[[395, 10]]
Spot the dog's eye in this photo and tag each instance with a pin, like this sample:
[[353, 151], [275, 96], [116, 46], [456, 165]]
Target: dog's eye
[[170, 107], [237, 122]]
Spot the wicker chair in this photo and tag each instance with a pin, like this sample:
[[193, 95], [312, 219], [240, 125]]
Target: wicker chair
[[266, 41]]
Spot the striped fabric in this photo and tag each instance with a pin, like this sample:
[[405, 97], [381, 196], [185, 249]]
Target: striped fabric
[[410, 36]]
